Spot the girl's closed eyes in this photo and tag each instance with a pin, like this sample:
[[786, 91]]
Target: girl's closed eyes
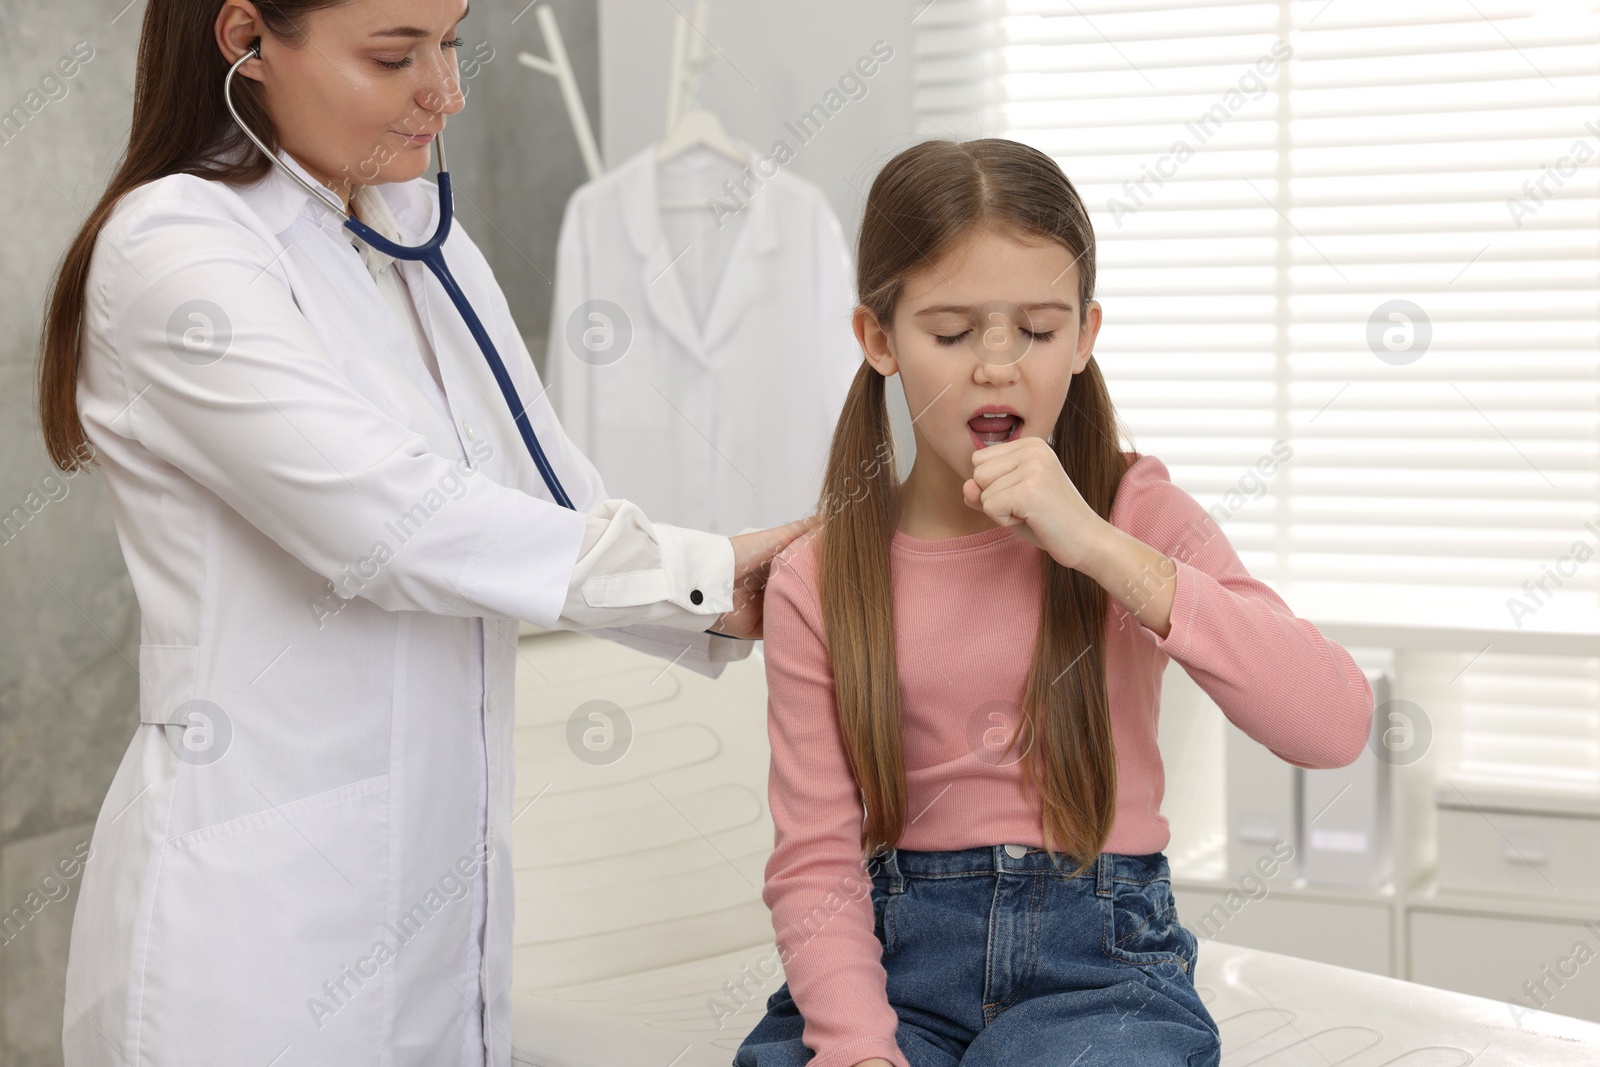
[[964, 334]]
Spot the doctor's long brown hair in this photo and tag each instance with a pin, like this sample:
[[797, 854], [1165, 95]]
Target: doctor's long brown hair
[[180, 125], [921, 204]]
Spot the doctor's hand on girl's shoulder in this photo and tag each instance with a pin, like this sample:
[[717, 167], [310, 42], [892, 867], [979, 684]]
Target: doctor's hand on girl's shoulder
[[752, 560], [1022, 484]]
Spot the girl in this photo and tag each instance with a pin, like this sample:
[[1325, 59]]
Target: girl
[[952, 693]]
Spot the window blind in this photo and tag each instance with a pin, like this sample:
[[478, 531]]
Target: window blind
[[1349, 256], [1531, 719]]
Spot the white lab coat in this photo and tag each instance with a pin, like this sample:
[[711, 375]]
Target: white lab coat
[[721, 425], [335, 564]]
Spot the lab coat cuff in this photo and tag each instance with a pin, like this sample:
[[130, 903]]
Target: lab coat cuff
[[704, 654], [699, 568]]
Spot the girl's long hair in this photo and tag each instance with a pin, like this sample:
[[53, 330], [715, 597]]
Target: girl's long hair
[[180, 126], [923, 202]]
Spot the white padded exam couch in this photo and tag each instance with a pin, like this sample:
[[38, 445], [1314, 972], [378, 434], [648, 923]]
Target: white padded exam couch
[[642, 941]]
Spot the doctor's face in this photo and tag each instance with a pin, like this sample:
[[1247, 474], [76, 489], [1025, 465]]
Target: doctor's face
[[359, 100], [993, 326]]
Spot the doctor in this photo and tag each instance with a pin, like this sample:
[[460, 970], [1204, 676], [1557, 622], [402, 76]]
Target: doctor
[[333, 528]]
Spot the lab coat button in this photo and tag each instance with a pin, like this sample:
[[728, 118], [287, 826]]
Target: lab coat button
[[695, 596], [1016, 852]]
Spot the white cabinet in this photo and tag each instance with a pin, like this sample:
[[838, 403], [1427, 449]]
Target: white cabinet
[[1494, 840], [1348, 933], [1528, 964]]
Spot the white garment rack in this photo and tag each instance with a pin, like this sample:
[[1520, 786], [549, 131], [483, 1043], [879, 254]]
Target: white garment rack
[[559, 66]]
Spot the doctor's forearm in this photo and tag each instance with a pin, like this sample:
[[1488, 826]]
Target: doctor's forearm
[[632, 571]]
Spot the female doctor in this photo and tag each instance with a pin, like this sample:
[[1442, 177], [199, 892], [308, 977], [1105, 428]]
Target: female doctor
[[332, 527]]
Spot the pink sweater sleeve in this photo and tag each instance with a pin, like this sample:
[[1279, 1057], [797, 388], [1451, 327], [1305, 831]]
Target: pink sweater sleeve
[[1273, 675], [817, 885]]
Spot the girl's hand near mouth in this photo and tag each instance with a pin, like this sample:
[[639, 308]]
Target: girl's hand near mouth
[[1021, 483]]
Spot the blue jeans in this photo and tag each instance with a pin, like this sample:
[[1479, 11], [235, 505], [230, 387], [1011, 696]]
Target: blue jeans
[[996, 960]]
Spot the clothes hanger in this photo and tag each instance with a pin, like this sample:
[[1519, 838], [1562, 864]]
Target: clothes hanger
[[689, 126]]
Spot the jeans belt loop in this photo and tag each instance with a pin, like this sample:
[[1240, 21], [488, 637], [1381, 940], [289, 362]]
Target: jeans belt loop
[[888, 861], [1104, 869]]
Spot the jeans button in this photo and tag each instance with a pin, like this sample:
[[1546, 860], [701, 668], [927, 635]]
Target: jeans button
[[1016, 852]]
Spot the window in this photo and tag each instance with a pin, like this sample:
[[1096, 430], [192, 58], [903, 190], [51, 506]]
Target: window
[[1369, 231]]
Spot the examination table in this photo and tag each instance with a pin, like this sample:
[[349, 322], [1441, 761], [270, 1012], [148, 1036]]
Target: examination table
[[641, 939]]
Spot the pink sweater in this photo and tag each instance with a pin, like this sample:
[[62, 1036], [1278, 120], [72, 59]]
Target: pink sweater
[[1273, 675]]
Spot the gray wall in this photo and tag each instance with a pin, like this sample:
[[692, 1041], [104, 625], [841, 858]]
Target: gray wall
[[69, 624], [69, 630]]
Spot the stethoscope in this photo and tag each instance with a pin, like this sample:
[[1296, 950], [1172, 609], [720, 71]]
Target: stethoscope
[[431, 254]]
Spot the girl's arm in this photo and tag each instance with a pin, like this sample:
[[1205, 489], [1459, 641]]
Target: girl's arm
[[817, 885], [1170, 569], [1179, 583]]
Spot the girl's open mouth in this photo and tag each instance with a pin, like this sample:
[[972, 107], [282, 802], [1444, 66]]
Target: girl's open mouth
[[994, 429]]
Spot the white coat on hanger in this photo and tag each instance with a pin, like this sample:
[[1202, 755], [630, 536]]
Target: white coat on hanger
[[724, 425]]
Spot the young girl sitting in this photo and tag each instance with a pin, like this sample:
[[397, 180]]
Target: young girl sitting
[[964, 670]]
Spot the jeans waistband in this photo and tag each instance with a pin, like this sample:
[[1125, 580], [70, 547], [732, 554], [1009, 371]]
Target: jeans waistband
[[1109, 867]]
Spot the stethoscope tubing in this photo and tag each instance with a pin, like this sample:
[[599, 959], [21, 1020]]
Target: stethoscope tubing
[[430, 254]]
